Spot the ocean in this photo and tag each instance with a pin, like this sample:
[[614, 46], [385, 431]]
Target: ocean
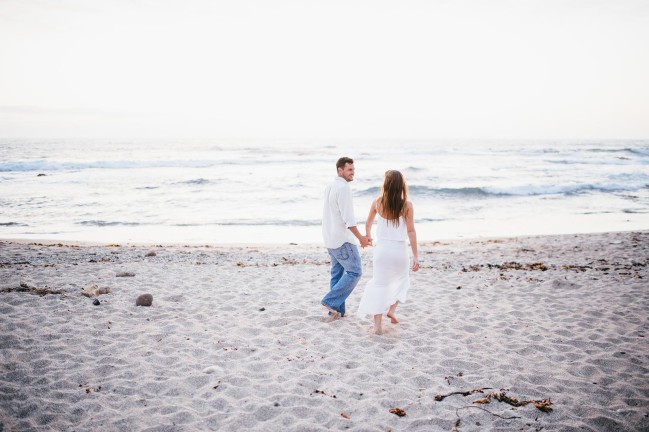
[[271, 191]]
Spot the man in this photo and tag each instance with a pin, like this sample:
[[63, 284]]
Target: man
[[340, 233]]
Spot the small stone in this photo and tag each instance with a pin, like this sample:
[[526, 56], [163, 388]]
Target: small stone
[[41, 175], [125, 274], [144, 300], [150, 254], [95, 302], [459, 287], [262, 309], [94, 290]]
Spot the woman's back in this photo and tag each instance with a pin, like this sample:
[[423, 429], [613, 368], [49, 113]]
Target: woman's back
[[387, 230]]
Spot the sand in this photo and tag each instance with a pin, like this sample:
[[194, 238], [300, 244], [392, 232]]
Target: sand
[[236, 338]]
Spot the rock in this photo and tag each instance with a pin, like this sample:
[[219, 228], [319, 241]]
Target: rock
[[125, 274], [94, 290], [150, 254], [95, 302], [41, 175], [144, 300], [262, 309]]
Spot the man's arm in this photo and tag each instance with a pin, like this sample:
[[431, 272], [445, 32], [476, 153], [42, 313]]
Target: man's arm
[[346, 209]]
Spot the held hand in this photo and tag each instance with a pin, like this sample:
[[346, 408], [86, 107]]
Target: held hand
[[364, 241], [415, 265], [370, 240]]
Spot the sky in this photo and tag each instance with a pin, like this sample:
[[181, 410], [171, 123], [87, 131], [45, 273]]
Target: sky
[[427, 69]]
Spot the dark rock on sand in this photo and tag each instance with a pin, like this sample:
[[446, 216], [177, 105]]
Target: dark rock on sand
[[125, 274], [150, 254], [95, 302], [144, 300]]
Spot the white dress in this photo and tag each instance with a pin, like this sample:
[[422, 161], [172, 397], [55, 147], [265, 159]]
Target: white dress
[[391, 278]]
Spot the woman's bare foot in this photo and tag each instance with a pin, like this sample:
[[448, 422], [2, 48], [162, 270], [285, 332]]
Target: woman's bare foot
[[378, 329], [391, 315]]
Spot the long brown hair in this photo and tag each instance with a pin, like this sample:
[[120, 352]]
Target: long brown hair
[[394, 195]]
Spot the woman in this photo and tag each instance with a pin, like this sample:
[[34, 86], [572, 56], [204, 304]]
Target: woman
[[395, 223]]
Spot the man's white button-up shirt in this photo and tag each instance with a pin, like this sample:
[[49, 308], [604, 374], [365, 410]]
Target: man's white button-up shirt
[[338, 214]]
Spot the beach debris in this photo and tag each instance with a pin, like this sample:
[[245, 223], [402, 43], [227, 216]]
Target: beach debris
[[94, 290], [449, 378], [31, 289], [457, 423], [398, 411], [501, 396], [151, 254], [144, 300], [104, 259], [90, 389], [95, 302], [262, 309], [316, 391], [125, 274], [41, 175], [441, 397], [509, 265], [344, 415], [113, 245]]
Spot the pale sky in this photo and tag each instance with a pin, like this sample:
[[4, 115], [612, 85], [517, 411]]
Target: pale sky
[[316, 69]]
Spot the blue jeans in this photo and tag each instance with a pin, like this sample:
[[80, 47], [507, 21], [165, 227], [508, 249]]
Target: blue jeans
[[345, 273]]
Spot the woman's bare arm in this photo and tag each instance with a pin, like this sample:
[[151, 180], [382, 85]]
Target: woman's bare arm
[[370, 221], [412, 234]]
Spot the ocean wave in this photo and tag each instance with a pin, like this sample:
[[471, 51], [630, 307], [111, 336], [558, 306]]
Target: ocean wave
[[517, 190], [255, 222], [571, 189], [198, 181], [46, 166], [419, 190], [639, 151], [101, 223], [642, 151]]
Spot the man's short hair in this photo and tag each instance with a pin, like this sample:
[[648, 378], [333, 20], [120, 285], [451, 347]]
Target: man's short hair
[[344, 161]]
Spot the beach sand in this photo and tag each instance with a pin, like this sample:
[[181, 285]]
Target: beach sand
[[236, 338]]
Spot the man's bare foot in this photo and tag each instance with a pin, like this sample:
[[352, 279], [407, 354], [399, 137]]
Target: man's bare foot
[[331, 318], [333, 314], [393, 319]]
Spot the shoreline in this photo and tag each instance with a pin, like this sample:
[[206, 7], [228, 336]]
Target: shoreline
[[236, 338], [450, 240]]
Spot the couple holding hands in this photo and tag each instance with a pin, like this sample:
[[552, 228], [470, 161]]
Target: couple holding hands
[[395, 226]]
